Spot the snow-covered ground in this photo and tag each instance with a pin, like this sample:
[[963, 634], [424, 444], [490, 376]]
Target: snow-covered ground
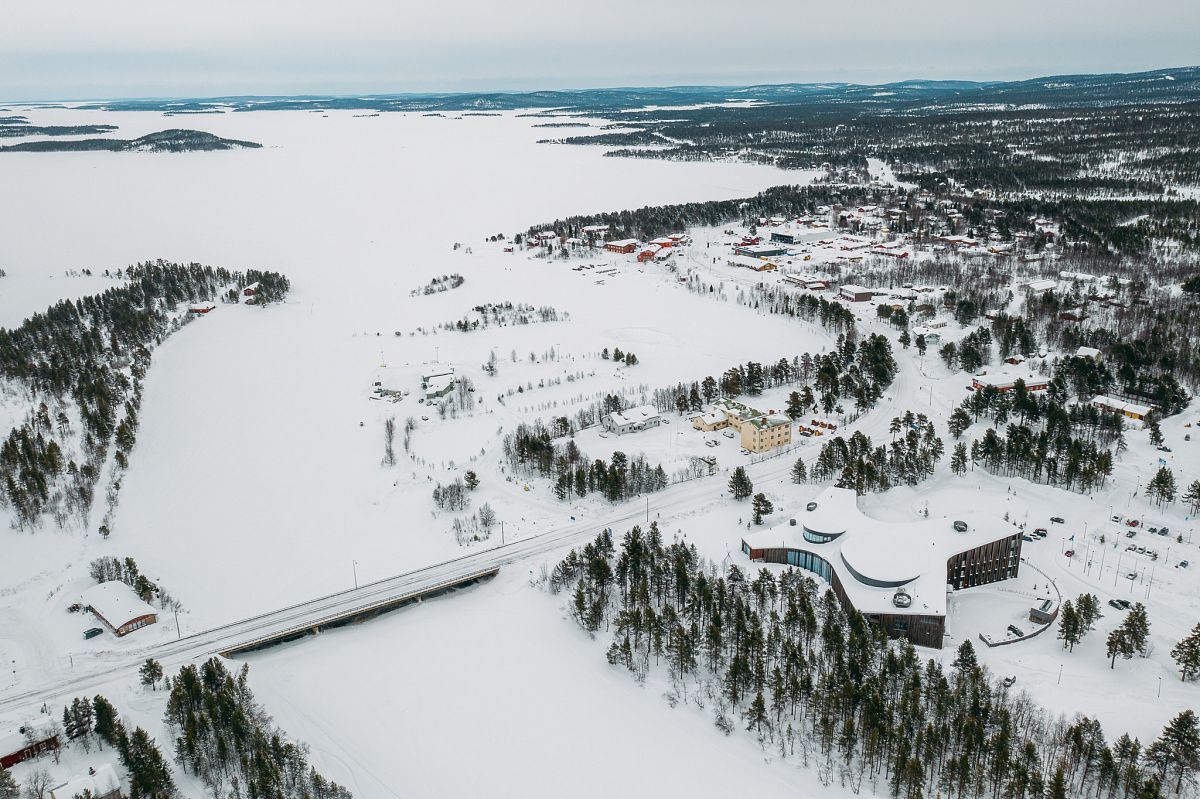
[[257, 478]]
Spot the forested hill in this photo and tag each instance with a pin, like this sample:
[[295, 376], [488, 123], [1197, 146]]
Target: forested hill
[[1167, 85], [81, 364], [164, 141]]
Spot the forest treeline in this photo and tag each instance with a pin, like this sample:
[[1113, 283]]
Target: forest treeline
[[815, 683], [81, 365]]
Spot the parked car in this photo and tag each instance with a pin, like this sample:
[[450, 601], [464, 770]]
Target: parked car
[[1153, 530], [960, 526], [1164, 530], [1016, 631], [1131, 576], [1183, 564], [1131, 548], [1120, 604], [1164, 449], [1009, 681], [1141, 550], [728, 433], [1132, 523], [791, 522], [1112, 603], [1040, 531], [1057, 519], [810, 506], [1116, 518], [1028, 538], [1130, 534], [93, 632], [1070, 553]]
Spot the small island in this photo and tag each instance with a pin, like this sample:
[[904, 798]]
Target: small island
[[164, 141]]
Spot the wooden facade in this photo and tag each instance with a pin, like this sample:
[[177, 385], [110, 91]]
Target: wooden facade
[[989, 563]]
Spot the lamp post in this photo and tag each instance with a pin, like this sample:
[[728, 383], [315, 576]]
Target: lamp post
[[354, 566]]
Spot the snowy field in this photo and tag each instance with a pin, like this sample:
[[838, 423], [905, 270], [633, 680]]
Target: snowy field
[[257, 478]]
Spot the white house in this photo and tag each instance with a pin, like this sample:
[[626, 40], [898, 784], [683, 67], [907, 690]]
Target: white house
[[632, 420]]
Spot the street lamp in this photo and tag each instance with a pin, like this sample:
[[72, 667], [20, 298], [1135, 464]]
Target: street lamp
[[354, 566]]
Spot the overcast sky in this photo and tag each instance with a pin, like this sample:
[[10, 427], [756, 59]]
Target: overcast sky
[[77, 49]]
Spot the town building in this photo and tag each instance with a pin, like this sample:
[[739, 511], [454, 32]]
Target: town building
[[1130, 410], [1040, 286], [898, 575], [932, 337], [622, 246], [201, 307], [100, 782], [28, 741], [251, 290], [748, 262], [649, 253], [806, 282], [1089, 352], [632, 420], [1006, 382], [714, 419], [437, 382], [855, 293], [760, 250], [757, 431], [767, 432], [786, 235], [119, 607]]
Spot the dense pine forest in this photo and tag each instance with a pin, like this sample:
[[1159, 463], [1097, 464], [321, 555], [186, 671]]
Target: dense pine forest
[[221, 736], [778, 656], [79, 368]]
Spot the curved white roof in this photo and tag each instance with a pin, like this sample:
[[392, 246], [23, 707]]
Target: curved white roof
[[880, 561], [874, 557]]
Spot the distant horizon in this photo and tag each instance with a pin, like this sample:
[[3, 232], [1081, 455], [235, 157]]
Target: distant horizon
[[279, 95]]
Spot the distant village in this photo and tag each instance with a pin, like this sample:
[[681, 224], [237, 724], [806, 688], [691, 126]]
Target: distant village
[[809, 253]]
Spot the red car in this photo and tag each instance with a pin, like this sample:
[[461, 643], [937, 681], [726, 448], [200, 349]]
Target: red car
[[1132, 523], [1070, 553], [1040, 530]]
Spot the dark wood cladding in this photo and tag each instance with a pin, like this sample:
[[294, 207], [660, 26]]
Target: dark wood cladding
[[985, 564]]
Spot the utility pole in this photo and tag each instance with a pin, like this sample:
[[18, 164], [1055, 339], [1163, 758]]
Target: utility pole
[[354, 566], [176, 609]]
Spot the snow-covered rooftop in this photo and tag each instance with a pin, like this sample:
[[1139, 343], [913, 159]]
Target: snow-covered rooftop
[[116, 603], [873, 558], [1008, 380], [15, 740], [1115, 404], [103, 782], [634, 415]]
